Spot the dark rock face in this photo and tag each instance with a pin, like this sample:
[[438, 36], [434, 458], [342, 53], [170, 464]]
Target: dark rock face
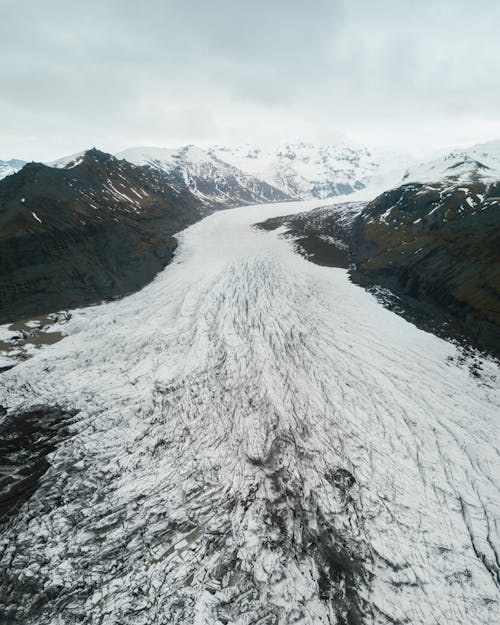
[[433, 248], [96, 230], [437, 246], [218, 184], [321, 235]]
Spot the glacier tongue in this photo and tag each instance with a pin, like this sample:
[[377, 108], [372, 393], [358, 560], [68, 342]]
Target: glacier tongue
[[258, 441]]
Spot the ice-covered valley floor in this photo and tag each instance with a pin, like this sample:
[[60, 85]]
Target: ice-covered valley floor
[[258, 442]]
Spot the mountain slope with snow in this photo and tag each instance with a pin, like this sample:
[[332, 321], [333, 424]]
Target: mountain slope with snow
[[294, 170], [438, 245], [304, 170], [212, 180], [479, 163], [10, 167], [434, 248], [94, 229], [256, 440]]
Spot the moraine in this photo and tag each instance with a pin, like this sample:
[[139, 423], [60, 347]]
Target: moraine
[[257, 440]]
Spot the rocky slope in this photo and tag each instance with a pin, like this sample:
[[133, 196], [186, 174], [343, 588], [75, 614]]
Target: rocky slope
[[323, 235], [435, 248], [213, 181], [96, 229], [438, 245]]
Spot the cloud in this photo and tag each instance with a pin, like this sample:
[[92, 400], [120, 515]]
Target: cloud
[[120, 72]]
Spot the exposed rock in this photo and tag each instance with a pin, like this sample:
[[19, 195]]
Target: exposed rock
[[434, 250], [95, 230], [209, 178], [437, 246], [322, 235]]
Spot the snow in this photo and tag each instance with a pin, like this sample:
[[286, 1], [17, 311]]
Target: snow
[[147, 155], [206, 176], [36, 217], [475, 163], [302, 170], [68, 162], [217, 405], [10, 167]]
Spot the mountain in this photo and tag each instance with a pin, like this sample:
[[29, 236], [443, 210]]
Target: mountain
[[213, 181], [96, 229], [437, 246], [10, 167], [247, 173], [303, 170], [433, 248], [322, 235], [479, 163]]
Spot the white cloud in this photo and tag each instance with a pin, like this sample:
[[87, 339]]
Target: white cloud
[[119, 73]]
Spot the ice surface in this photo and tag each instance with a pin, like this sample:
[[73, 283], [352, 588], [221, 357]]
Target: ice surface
[[259, 441]]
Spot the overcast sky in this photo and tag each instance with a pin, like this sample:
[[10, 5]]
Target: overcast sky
[[118, 73]]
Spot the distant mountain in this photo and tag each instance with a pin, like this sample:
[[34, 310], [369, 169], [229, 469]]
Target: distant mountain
[[10, 167], [479, 163], [95, 229], [216, 183], [246, 174], [304, 170]]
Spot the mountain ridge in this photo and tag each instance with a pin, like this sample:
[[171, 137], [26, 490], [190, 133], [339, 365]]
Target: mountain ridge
[[71, 237]]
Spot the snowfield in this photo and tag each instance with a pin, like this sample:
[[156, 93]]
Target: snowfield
[[259, 442]]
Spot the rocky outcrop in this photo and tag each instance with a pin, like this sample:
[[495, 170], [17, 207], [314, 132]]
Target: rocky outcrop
[[438, 247], [322, 235], [433, 248], [97, 229]]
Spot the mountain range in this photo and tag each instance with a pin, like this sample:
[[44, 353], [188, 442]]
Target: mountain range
[[232, 175], [109, 209], [249, 437]]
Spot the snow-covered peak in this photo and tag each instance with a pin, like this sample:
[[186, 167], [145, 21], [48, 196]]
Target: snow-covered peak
[[304, 170], [10, 167], [147, 155], [212, 179], [189, 156], [300, 170], [479, 163], [66, 162]]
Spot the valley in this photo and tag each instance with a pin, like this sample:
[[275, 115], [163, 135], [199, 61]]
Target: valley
[[252, 438]]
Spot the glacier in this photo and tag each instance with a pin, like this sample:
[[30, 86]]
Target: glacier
[[257, 440]]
